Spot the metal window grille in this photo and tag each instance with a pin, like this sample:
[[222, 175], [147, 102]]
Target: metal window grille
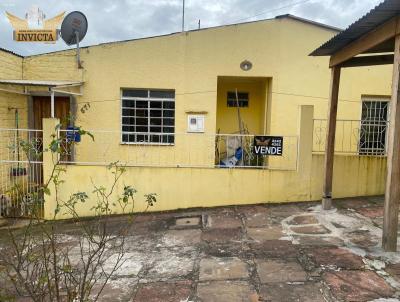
[[373, 128], [148, 116], [242, 99]]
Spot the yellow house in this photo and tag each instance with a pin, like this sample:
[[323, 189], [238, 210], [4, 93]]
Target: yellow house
[[181, 112]]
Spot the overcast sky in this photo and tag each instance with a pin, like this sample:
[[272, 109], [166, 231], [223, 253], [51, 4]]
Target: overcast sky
[[113, 20]]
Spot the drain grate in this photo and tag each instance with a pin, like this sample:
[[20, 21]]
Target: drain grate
[[188, 222]]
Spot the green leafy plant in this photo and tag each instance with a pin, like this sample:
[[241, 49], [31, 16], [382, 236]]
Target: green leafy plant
[[40, 265]]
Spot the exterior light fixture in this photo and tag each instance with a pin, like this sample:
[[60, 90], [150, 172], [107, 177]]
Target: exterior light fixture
[[246, 65]]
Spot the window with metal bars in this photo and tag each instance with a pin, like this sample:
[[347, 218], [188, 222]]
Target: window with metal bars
[[374, 127], [242, 99], [148, 116]]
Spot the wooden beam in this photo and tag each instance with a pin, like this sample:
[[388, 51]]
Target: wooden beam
[[330, 138], [392, 195], [381, 34], [368, 61]]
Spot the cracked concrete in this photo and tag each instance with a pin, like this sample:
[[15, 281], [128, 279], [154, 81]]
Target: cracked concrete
[[293, 252]]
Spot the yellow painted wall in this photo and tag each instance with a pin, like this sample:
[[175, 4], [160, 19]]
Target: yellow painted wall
[[353, 176], [53, 66], [190, 63], [179, 188], [201, 187], [253, 116], [10, 69], [305, 80]]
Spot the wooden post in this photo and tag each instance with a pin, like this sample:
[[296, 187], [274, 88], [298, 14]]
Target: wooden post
[[392, 195], [330, 138]]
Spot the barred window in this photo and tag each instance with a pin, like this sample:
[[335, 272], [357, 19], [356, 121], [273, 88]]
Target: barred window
[[242, 99], [374, 127], [148, 116]]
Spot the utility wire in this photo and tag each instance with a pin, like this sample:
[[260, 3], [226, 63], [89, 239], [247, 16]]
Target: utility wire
[[314, 97], [270, 10], [317, 98]]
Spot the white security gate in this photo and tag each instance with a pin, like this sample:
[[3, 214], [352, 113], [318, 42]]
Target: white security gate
[[21, 172]]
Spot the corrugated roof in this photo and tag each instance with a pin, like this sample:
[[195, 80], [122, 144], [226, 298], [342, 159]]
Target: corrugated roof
[[377, 16], [39, 83]]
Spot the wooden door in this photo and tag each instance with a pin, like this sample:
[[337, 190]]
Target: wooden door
[[42, 109]]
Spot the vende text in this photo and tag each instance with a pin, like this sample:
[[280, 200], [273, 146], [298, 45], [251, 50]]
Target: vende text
[[268, 150]]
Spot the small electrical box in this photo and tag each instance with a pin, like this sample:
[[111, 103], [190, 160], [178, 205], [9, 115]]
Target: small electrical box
[[196, 123]]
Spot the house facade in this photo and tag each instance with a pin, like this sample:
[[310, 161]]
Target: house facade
[[181, 112]]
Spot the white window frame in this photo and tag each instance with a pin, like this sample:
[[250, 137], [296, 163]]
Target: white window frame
[[377, 99], [148, 99]]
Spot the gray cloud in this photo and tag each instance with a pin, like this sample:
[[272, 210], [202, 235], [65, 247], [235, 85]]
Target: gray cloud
[[128, 19]]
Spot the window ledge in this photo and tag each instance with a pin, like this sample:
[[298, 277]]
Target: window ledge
[[196, 112]]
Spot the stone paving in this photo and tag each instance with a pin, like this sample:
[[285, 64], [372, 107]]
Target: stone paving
[[292, 252]]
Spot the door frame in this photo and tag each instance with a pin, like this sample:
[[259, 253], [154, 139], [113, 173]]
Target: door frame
[[73, 109]]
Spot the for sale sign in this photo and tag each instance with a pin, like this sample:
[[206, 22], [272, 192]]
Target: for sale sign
[[268, 145]]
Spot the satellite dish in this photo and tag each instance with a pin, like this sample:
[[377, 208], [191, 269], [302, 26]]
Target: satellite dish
[[74, 28]]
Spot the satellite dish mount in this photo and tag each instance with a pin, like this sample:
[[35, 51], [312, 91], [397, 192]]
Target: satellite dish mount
[[78, 52], [73, 30]]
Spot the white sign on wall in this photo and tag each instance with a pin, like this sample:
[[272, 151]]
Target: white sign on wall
[[196, 123]]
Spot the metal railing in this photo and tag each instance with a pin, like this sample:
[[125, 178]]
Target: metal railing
[[21, 171], [226, 147], [173, 150], [353, 137]]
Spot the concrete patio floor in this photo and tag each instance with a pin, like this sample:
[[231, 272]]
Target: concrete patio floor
[[291, 252]]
